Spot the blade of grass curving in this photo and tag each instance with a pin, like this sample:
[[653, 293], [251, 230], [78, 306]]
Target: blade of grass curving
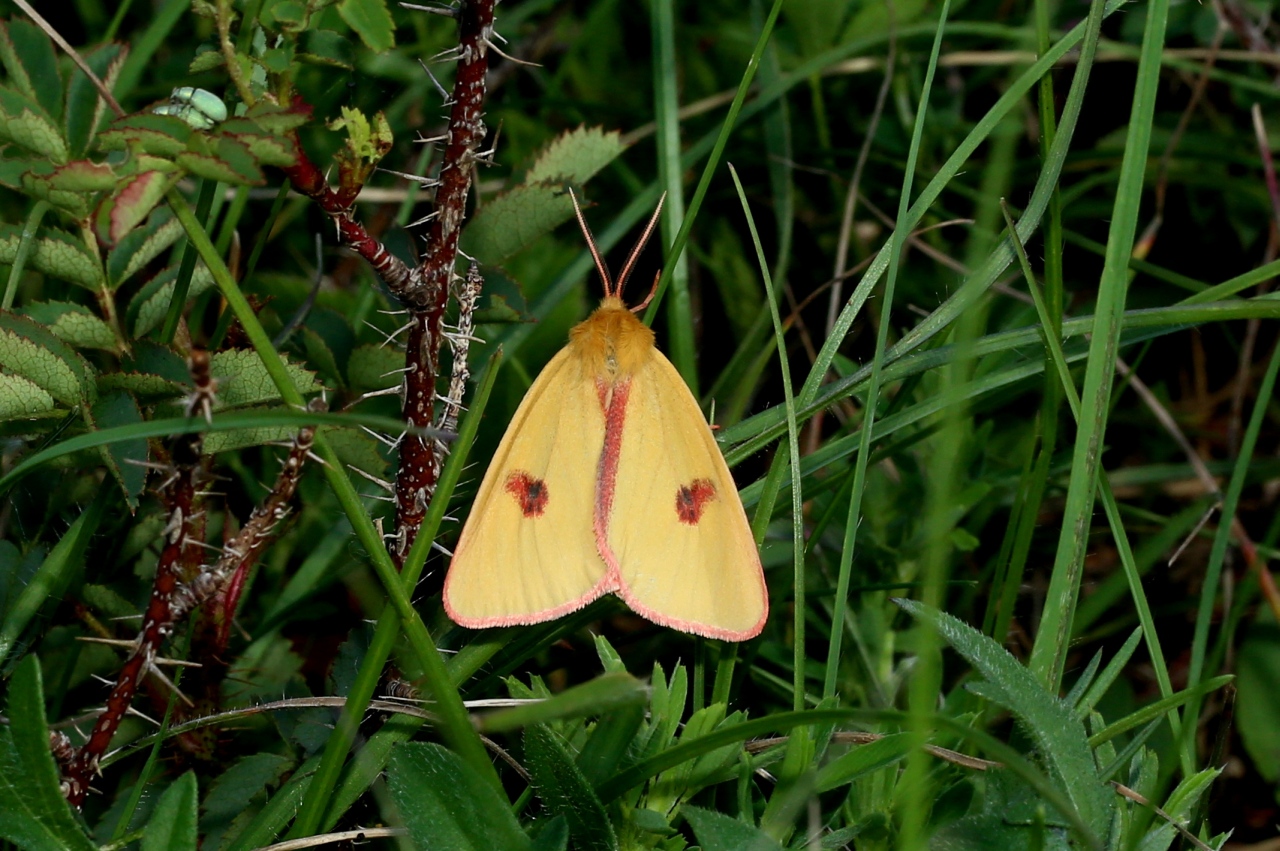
[[142, 50], [708, 171], [455, 725], [182, 284], [925, 684], [1048, 654], [1053, 344], [981, 279], [793, 449], [1221, 540], [666, 99], [25, 243], [1158, 708], [186, 425], [323, 802], [1094, 691], [54, 575]]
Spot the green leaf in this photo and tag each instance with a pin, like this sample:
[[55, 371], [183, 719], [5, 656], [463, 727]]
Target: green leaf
[[1058, 734], [243, 379], [85, 106], [56, 253], [446, 806], [29, 58], [148, 307], [1257, 712], [173, 823], [373, 367], [160, 135], [31, 351], [21, 399], [576, 156], [863, 759], [325, 47], [77, 176], [34, 182], [121, 212], [565, 791], [229, 161], [601, 694], [124, 458], [74, 324], [142, 245], [719, 832], [34, 814], [515, 219], [51, 579], [25, 123], [372, 22]]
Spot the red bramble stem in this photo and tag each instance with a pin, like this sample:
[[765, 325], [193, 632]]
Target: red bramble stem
[[428, 290]]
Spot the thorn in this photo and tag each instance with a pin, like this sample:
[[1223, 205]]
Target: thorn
[[398, 371], [434, 10], [390, 391], [436, 546], [422, 180], [381, 438], [131, 711], [382, 483], [422, 221], [441, 89], [507, 56]]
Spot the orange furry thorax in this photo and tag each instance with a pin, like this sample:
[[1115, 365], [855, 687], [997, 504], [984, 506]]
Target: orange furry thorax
[[611, 343]]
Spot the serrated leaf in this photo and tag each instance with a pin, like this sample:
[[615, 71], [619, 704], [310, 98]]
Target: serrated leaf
[[21, 399], [246, 778], [371, 20], [54, 253], [445, 805], [34, 183], [121, 212], [373, 367], [35, 815], [160, 135], [719, 832], [231, 164], [266, 150], [1059, 735], [173, 822], [325, 47], [358, 449], [278, 119], [149, 306], [141, 384], [242, 438], [565, 791], [514, 220], [31, 351], [576, 156], [74, 324], [25, 123], [85, 105], [124, 458], [206, 60], [243, 380], [80, 176], [32, 64], [142, 245]]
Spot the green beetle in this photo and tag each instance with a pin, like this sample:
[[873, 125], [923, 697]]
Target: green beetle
[[201, 109]]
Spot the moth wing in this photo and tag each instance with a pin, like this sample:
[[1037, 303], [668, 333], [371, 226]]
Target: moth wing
[[680, 537], [528, 551]]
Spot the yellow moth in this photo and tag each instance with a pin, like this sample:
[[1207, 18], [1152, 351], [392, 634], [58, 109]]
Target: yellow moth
[[608, 480]]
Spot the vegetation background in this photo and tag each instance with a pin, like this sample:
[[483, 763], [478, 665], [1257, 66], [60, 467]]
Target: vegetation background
[[1061, 446]]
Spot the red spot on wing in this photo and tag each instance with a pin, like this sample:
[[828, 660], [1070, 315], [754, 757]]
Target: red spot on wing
[[692, 498], [530, 493]]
